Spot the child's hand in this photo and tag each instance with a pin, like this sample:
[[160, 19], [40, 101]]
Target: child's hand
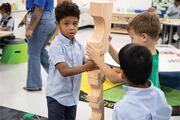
[[175, 13], [93, 52], [110, 38], [90, 65]]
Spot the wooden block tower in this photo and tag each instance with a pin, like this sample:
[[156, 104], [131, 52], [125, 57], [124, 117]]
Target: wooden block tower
[[101, 13]]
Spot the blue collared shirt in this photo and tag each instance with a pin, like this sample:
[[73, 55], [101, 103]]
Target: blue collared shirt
[[64, 89], [142, 104], [10, 22], [47, 5], [172, 9]]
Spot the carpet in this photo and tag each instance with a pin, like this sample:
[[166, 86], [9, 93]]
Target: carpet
[[12, 114]]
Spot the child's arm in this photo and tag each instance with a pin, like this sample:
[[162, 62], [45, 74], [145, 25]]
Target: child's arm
[[109, 73], [65, 70], [172, 14], [4, 28], [113, 53]]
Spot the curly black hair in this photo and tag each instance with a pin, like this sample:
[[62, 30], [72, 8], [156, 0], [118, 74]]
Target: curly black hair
[[66, 9], [5, 7]]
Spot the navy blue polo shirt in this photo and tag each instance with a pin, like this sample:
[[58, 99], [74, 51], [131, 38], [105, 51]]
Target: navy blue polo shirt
[[47, 5]]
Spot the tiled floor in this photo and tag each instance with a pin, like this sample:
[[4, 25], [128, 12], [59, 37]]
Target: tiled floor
[[13, 78]]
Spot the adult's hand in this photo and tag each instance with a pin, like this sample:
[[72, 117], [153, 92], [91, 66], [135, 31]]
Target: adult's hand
[[29, 33]]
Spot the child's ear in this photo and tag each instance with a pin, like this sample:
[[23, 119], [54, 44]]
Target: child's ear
[[144, 37], [57, 23], [123, 75]]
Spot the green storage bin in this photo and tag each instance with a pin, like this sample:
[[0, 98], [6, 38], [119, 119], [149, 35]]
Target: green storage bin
[[14, 53]]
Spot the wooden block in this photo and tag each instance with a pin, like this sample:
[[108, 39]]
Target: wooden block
[[102, 14], [94, 82], [95, 95], [98, 105], [97, 114], [95, 74], [97, 45]]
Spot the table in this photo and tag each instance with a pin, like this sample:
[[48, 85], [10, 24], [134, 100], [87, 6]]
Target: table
[[171, 23], [169, 65], [5, 33]]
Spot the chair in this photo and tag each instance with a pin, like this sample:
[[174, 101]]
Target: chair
[[14, 51]]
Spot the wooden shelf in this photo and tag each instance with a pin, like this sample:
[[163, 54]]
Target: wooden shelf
[[120, 22], [119, 30]]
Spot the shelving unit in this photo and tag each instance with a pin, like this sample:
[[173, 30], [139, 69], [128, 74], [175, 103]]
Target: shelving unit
[[120, 22]]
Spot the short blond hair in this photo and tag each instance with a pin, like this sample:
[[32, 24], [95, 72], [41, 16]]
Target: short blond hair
[[145, 23]]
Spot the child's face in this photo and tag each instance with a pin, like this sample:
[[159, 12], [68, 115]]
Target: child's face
[[177, 3], [136, 38], [68, 26], [4, 14]]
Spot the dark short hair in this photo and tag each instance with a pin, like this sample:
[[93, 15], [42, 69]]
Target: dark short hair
[[136, 63], [177, 0], [5, 7], [145, 23], [66, 9]]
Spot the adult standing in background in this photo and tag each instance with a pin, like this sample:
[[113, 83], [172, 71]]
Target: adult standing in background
[[40, 26], [173, 12]]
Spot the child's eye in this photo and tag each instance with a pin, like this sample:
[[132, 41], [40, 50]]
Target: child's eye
[[75, 24], [66, 23]]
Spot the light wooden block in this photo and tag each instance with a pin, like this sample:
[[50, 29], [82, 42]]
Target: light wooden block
[[98, 105], [94, 82], [98, 46], [102, 14], [97, 114], [95, 95], [95, 74]]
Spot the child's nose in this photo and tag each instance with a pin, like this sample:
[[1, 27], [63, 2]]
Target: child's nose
[[72, 27]]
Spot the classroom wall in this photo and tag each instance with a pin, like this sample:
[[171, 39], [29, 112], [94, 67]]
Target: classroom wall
[[130, 5], [15, 4]]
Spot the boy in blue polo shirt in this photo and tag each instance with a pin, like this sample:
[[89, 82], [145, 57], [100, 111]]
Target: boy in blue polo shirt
[[67, 62]]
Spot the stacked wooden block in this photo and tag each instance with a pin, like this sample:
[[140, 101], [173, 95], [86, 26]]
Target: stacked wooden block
[[101, 13]]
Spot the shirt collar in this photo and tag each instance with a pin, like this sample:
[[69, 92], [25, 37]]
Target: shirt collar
[[65, 40], [5, 18], [135, 90]]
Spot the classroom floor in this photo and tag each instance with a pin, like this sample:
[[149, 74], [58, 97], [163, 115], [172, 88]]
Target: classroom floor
[[13, 79]]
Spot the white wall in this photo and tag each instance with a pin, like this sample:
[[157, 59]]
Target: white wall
[[18, 32], [124, 5], [17, 4], [121, 5]]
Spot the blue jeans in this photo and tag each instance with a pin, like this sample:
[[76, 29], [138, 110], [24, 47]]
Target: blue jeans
[[37, 54], [56, 111]]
